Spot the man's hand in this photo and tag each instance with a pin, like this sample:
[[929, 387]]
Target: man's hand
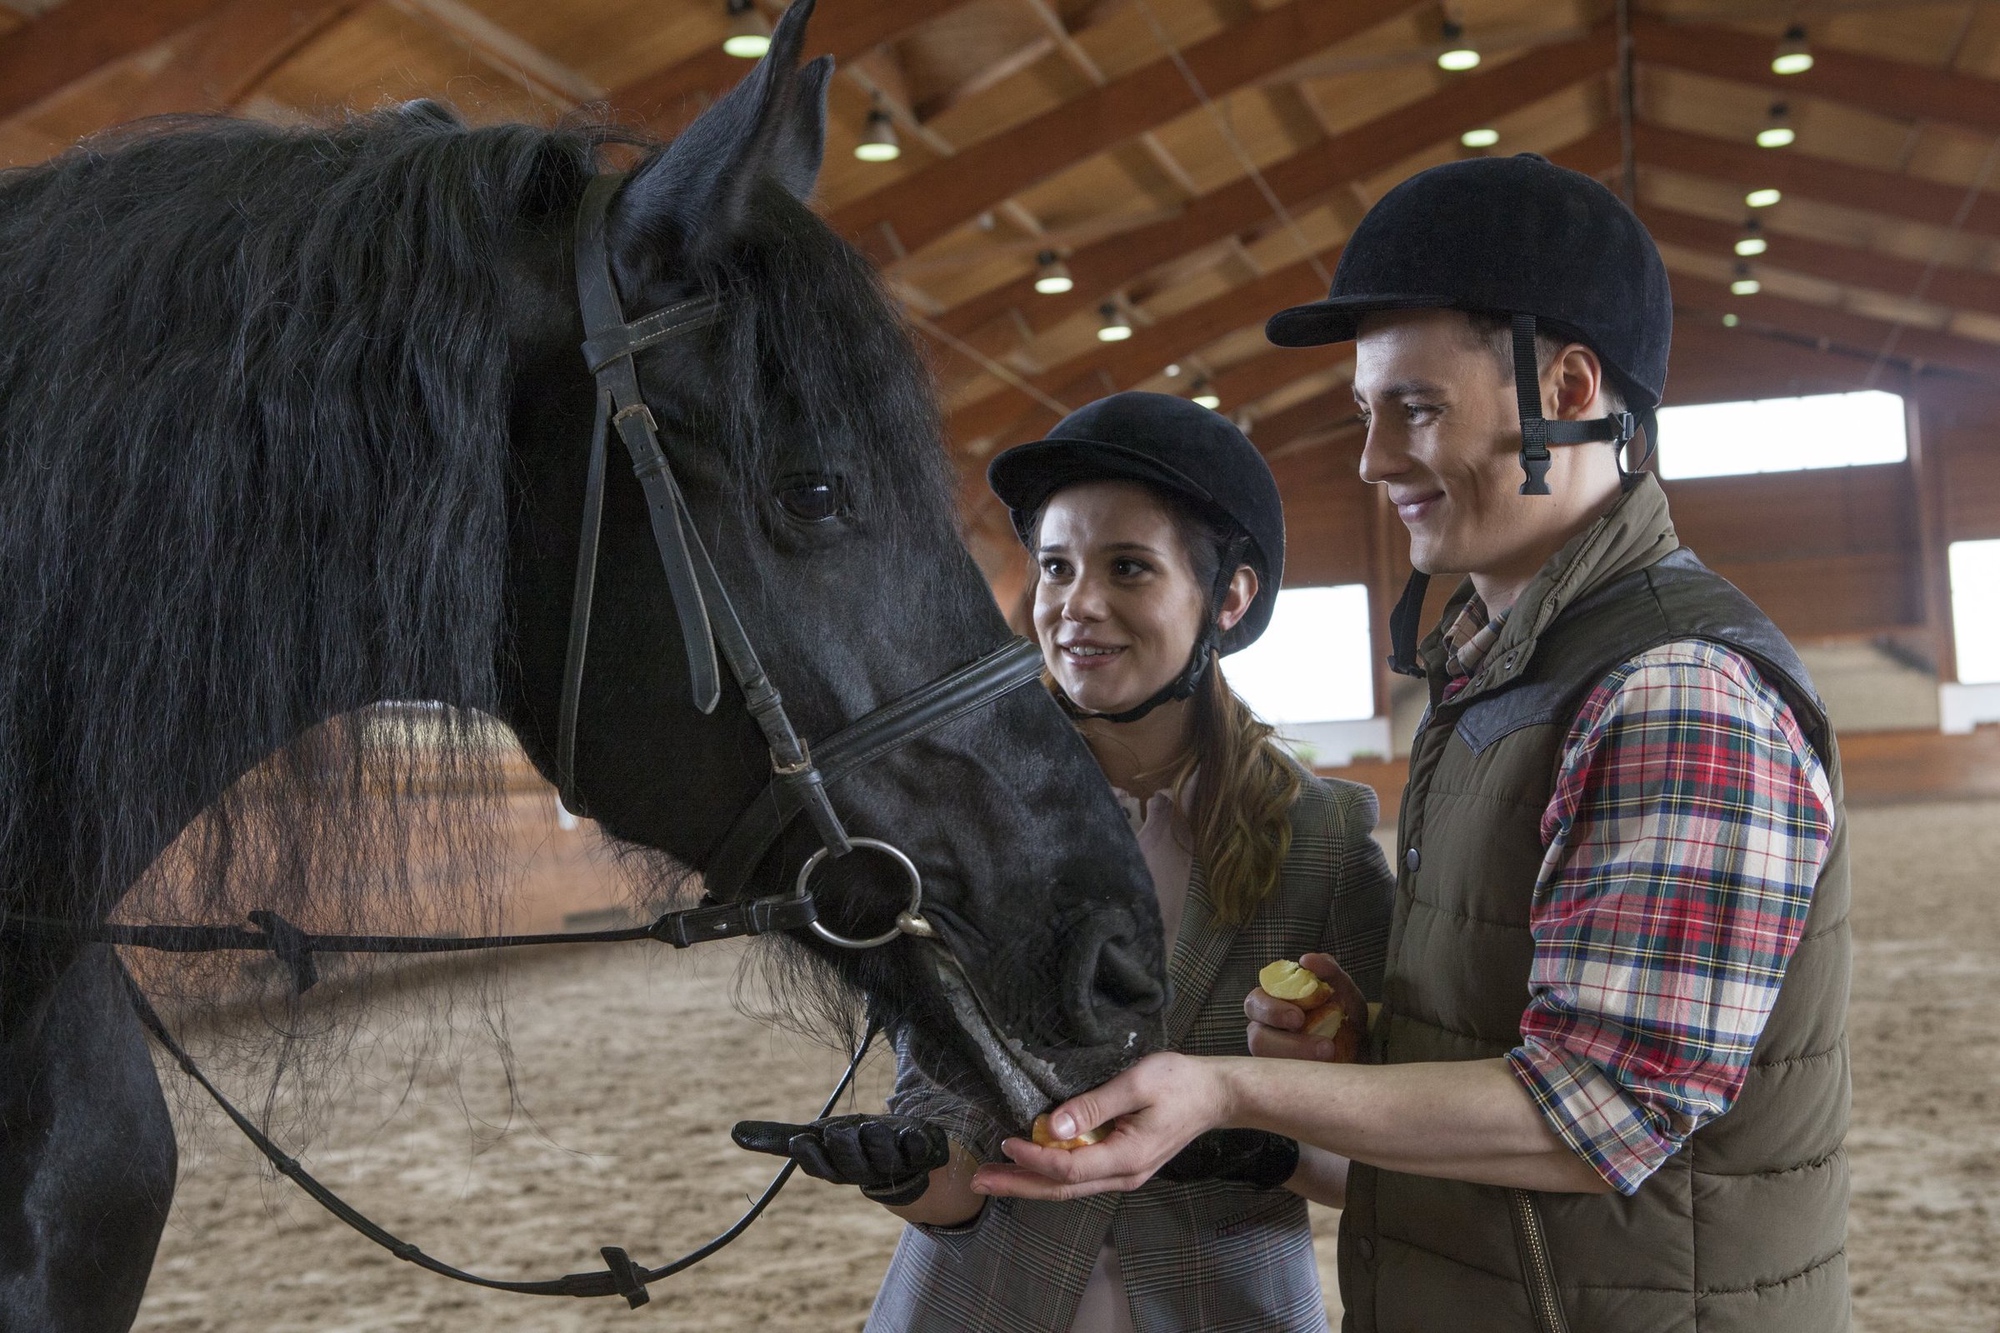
[[1275, 1024], [1160, 1104], [890, 1157]]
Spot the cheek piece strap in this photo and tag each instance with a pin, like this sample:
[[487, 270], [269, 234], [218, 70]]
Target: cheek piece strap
[[1538, 433]]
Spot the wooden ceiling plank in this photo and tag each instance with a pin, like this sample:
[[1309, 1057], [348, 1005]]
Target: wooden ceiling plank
[[223, 58], [1297, 181], [844, 30], [1816, 178], [1958, 288], [1891, 87], [42, 57], [931, 202]]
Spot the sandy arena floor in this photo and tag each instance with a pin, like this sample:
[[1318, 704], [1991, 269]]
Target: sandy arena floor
[[632, 1063]]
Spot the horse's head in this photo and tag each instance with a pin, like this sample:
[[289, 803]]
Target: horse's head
[[803, 429]]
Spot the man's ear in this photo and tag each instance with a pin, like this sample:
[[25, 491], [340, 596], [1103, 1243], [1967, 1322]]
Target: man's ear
[[696, 193], [1571, 383], [1236, 602]]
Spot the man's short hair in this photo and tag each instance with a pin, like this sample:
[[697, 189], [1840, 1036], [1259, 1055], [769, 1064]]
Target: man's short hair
[[1496, 332]]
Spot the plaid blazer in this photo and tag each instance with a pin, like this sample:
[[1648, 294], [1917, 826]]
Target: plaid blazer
[[1211, 1256]]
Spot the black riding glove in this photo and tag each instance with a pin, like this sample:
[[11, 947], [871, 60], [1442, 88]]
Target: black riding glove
[[1250, 1156], [890, 1157]]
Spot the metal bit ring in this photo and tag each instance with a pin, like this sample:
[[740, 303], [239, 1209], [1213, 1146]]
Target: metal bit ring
[[909, 921]]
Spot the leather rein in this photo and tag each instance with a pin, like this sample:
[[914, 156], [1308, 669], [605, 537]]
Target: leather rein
[[709, 629]]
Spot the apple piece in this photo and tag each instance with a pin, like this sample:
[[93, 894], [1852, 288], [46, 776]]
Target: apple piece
[[1286, 980], [1044, 1137]]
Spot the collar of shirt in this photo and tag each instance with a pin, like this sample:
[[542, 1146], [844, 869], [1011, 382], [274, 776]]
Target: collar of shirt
[[1467, 642], [1161, 829]]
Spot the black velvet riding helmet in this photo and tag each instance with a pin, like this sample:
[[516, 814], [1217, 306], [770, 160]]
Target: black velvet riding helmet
[[1174, 445], [1522, 237]]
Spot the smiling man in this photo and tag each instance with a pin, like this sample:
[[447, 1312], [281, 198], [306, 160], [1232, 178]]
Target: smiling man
[[1612, 1082]]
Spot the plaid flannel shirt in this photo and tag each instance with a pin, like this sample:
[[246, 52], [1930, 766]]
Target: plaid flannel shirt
[[1686, 830]]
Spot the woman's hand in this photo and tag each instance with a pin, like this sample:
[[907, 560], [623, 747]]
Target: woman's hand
[[1160, 1104], [1275, 1024]]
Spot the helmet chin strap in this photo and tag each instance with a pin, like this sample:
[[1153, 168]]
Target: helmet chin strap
[[1180, 687], [1538, 433]]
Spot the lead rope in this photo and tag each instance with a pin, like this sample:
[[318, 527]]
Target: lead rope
[[620, 1276]]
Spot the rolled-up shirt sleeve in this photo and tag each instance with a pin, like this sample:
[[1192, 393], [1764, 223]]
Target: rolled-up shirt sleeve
[[1688, 826]]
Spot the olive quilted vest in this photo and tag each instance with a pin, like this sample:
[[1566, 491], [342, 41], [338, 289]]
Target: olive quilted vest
[[1744, 1228]]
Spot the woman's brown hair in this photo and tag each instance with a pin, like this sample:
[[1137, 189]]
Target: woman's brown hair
[[1240, 814], [1241, 811]]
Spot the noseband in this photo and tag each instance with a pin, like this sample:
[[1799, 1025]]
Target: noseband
[[710, 626]]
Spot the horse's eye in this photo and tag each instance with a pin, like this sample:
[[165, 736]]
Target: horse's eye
[[812, 499]]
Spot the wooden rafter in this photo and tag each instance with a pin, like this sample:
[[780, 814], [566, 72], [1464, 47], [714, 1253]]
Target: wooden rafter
[[1298, 182], [843, 31], [1011, 413], [224, 56], [1809, 177], [1959, 288], [1890, 87], [926, 204], [1141, 356], [1858, 334], [75, 40]]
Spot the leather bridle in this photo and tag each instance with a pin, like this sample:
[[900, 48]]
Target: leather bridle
[[709, 623], [709, 628]]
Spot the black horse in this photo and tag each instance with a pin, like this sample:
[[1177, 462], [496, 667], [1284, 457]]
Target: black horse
[[293, 422]]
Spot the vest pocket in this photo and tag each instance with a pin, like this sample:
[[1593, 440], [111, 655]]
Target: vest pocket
[[1538, 1270]]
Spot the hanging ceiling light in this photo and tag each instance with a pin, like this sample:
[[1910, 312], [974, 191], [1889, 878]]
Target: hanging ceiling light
[[747, 39], [1793, 55], [1115, 328], [1777, 134], [1745, 285], [1752, 241], [1730, 321], [1204, 396], [1480, 138], [1762, 198], [878, 141], [1458, 54], [1052, 276], [1173, 370]]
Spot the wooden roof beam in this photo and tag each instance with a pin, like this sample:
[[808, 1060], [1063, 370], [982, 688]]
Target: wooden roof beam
[[1143, 355], [1859, 334], [45, 55], [930, 202], [224, 57], [1957, 288], [1298, 181], [1793, 172], [1895, 88], [844, 31], [1177, 337]]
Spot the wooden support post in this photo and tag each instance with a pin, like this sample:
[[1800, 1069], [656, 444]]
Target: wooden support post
[[1927, 475]]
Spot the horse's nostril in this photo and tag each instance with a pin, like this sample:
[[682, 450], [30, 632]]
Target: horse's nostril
[[1123, 981]]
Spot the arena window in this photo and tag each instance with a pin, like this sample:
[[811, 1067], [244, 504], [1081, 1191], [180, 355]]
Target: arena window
[[1782, 435], [1975, 591], [1312, 665]]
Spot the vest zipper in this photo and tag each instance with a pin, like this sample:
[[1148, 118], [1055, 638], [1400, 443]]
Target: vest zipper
[[1537, 1269]]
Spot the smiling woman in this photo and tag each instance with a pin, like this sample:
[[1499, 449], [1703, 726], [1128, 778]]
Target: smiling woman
[[1158, 540]]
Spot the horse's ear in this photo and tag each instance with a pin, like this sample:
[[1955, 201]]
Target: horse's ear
[[770, 126]]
